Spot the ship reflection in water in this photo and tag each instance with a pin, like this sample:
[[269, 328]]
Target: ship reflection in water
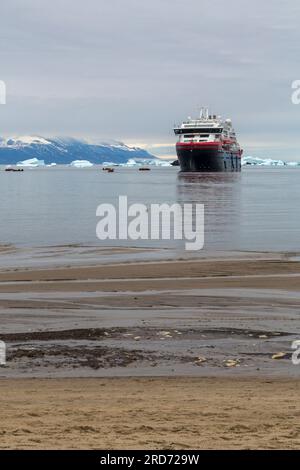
[[220, 193]]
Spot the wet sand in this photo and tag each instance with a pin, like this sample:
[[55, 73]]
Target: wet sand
[[201, 317], [85, 339]]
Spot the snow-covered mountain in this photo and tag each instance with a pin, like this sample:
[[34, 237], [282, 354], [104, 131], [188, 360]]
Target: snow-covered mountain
[[65, 150]]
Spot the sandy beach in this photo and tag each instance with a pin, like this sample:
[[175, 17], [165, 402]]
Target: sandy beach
[[149, 413], [192, 353]]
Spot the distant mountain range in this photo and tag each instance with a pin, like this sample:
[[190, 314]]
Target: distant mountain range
[[65, 150]]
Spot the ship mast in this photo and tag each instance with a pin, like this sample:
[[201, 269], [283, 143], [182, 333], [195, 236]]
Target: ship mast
[[204, 113]]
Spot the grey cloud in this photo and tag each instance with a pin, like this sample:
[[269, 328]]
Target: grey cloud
[[127, 69]]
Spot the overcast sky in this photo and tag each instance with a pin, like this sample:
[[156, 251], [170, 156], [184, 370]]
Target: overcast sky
[[128, 69]]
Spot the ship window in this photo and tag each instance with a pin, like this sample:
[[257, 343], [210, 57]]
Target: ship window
[[189, 136], [198, 130]]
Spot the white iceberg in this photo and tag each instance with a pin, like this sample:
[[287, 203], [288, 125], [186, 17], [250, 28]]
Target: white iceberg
[[110, 164], [262, 161], [31, 162], [130, 162], [146, 161], [81, 164]]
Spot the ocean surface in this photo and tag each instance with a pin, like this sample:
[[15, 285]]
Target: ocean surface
[[256, 210]]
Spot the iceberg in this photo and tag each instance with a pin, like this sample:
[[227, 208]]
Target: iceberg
[[146, 161], [81, 164], [32, 163], [255, 161], [110, 164]]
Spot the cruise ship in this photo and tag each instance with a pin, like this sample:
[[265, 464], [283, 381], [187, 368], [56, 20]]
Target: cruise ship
[[207, 144]]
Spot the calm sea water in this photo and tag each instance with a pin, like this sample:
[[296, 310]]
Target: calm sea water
[[256, 210]]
